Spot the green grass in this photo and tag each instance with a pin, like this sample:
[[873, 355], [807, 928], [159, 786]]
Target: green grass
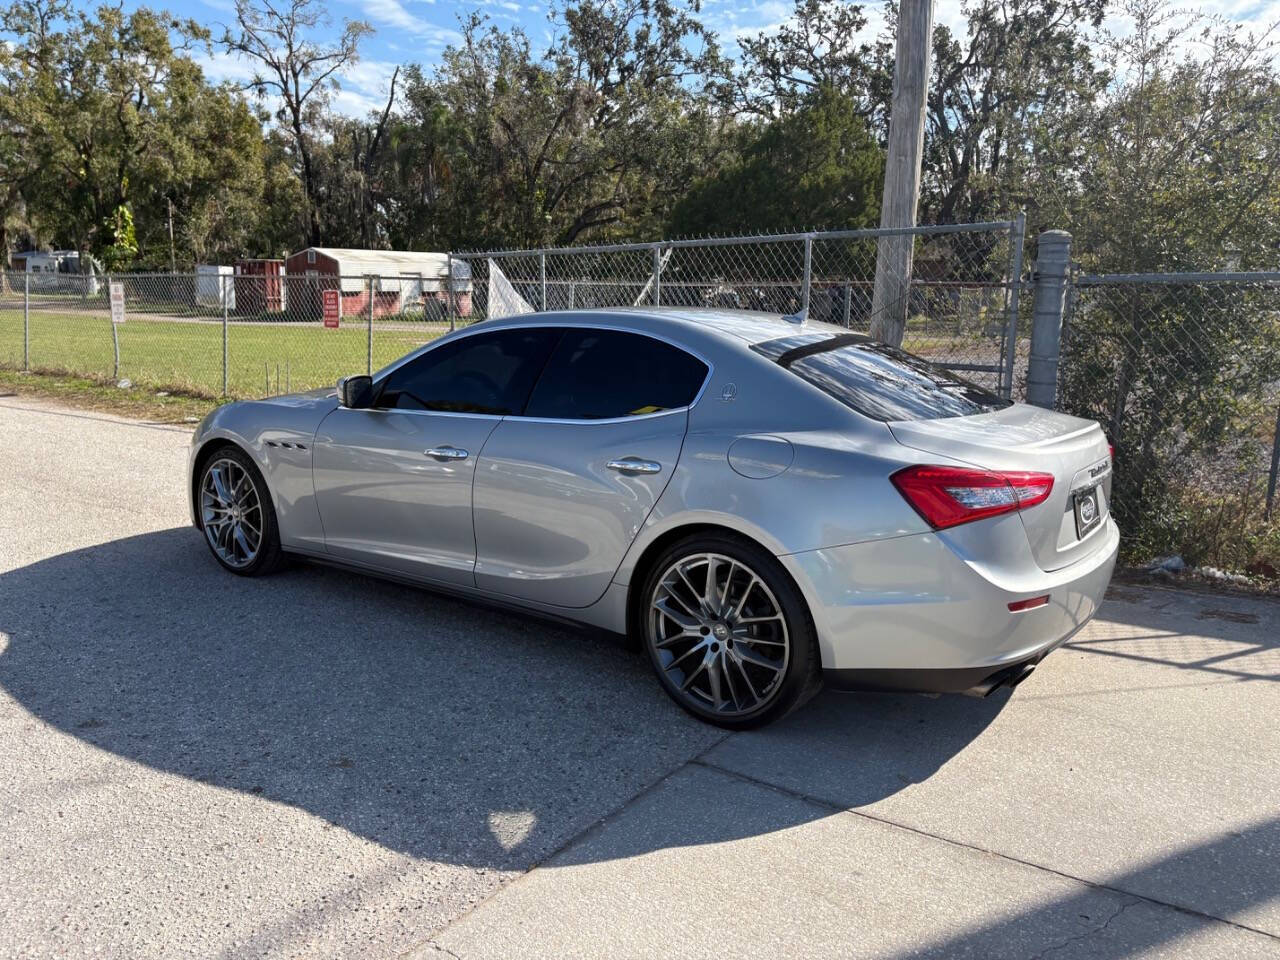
[[188, 356]]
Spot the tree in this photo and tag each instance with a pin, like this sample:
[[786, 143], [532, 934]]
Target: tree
[[817, 168], [1179, 171], [96, 94], [25, 69], [597, 136], [817, 48], [107, 121], [299, 71], [1005, 106]]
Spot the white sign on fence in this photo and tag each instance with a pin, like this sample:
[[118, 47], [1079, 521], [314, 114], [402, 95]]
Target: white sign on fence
[[117, 302]]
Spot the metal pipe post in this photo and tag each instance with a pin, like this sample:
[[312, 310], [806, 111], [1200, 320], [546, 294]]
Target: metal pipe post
[[808, 269], [542, 275], [26, 322], [225, 312], [1052, 261], [369, 351], [449, 293], [115, 335], [657, 276], [1275, 466]]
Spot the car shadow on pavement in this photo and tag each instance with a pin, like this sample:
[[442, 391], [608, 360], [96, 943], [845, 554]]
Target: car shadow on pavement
[[433, 727]]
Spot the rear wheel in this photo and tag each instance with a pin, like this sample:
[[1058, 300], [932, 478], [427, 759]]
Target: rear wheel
[[728, 633], [236, 515]]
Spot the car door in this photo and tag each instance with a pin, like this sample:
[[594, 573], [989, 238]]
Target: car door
[[561, 492], [393, 482]]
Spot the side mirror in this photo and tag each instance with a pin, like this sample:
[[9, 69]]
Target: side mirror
[[356, 393]]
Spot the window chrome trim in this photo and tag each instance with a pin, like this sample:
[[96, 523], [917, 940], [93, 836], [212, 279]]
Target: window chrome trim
[[431, 413], [477, 330]]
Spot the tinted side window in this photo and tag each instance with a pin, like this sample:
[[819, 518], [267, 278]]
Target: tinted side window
[[485, 373], [598, 374], [877, 380]]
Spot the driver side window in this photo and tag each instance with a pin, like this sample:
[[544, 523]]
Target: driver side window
[[490, 373]]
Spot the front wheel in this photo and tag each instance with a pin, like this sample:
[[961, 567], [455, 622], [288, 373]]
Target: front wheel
[[236, 515], [728, 633]]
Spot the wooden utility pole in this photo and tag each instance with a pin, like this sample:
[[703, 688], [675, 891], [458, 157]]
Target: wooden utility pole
[[902, 170]]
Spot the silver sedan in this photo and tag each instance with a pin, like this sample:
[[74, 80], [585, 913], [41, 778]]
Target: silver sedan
[[761, 504]]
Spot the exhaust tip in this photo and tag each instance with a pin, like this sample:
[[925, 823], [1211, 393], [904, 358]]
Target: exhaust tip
[[1007, 677]]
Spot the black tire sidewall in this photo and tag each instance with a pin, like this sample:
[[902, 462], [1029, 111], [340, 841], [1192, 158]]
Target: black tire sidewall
[[268, 557], [803, 666]]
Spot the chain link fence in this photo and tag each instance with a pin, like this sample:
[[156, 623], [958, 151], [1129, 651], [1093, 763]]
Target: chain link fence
[[962, 304], [216, 334], [1183, 372]]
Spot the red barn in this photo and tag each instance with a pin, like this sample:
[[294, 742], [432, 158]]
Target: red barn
[[404, 281]]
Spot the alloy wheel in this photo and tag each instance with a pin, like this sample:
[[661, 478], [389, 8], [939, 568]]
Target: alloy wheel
[[231, 512], [719, 634]]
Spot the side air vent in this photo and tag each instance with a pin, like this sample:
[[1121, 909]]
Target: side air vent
[[284, 445]]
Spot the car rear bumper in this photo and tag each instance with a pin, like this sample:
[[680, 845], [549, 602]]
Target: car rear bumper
[[919, 613]]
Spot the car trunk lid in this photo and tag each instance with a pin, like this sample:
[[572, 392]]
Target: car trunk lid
[[1022, 437]]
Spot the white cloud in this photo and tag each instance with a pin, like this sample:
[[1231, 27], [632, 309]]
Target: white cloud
[[393, 13]]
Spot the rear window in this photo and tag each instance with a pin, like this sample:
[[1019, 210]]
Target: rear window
[[877, 380]]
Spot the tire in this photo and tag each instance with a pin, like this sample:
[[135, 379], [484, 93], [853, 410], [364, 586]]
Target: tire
[[710, 648], [228, 507]]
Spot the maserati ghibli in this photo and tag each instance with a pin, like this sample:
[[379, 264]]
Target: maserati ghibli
[[761, 504]]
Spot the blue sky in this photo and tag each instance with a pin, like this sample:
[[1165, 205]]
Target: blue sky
[[416, 31]]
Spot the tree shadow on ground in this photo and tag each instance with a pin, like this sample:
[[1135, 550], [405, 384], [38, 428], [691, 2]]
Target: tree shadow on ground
[[436, 728]]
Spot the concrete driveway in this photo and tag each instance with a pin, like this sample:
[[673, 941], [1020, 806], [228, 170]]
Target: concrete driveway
[[318, 764]]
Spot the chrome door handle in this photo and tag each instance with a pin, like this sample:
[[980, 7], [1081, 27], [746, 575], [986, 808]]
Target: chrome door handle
[[632, 465], [448, 453]]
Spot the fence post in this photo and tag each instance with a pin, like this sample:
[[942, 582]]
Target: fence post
[[1275, 467], [449, 292], [808, 267], [26, 322], [115, 335], [1011, 326], [1052, 260], [542, 276], [848, 304], [657, 275], [369, 325], [225, 312]]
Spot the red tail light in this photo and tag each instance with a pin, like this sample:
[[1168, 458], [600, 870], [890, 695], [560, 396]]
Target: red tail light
[[948, 496]]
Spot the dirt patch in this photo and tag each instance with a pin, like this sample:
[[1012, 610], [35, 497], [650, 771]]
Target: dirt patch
[[1234, 616]]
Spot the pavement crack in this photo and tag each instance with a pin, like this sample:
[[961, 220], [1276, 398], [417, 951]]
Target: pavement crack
[[1054, 948], [432, 945], [835, 807], [576, 838]]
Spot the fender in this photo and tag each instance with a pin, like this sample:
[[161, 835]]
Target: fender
[[282, 452]]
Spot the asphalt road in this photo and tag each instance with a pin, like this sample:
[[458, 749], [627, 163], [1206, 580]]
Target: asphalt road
[[319, 764]]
